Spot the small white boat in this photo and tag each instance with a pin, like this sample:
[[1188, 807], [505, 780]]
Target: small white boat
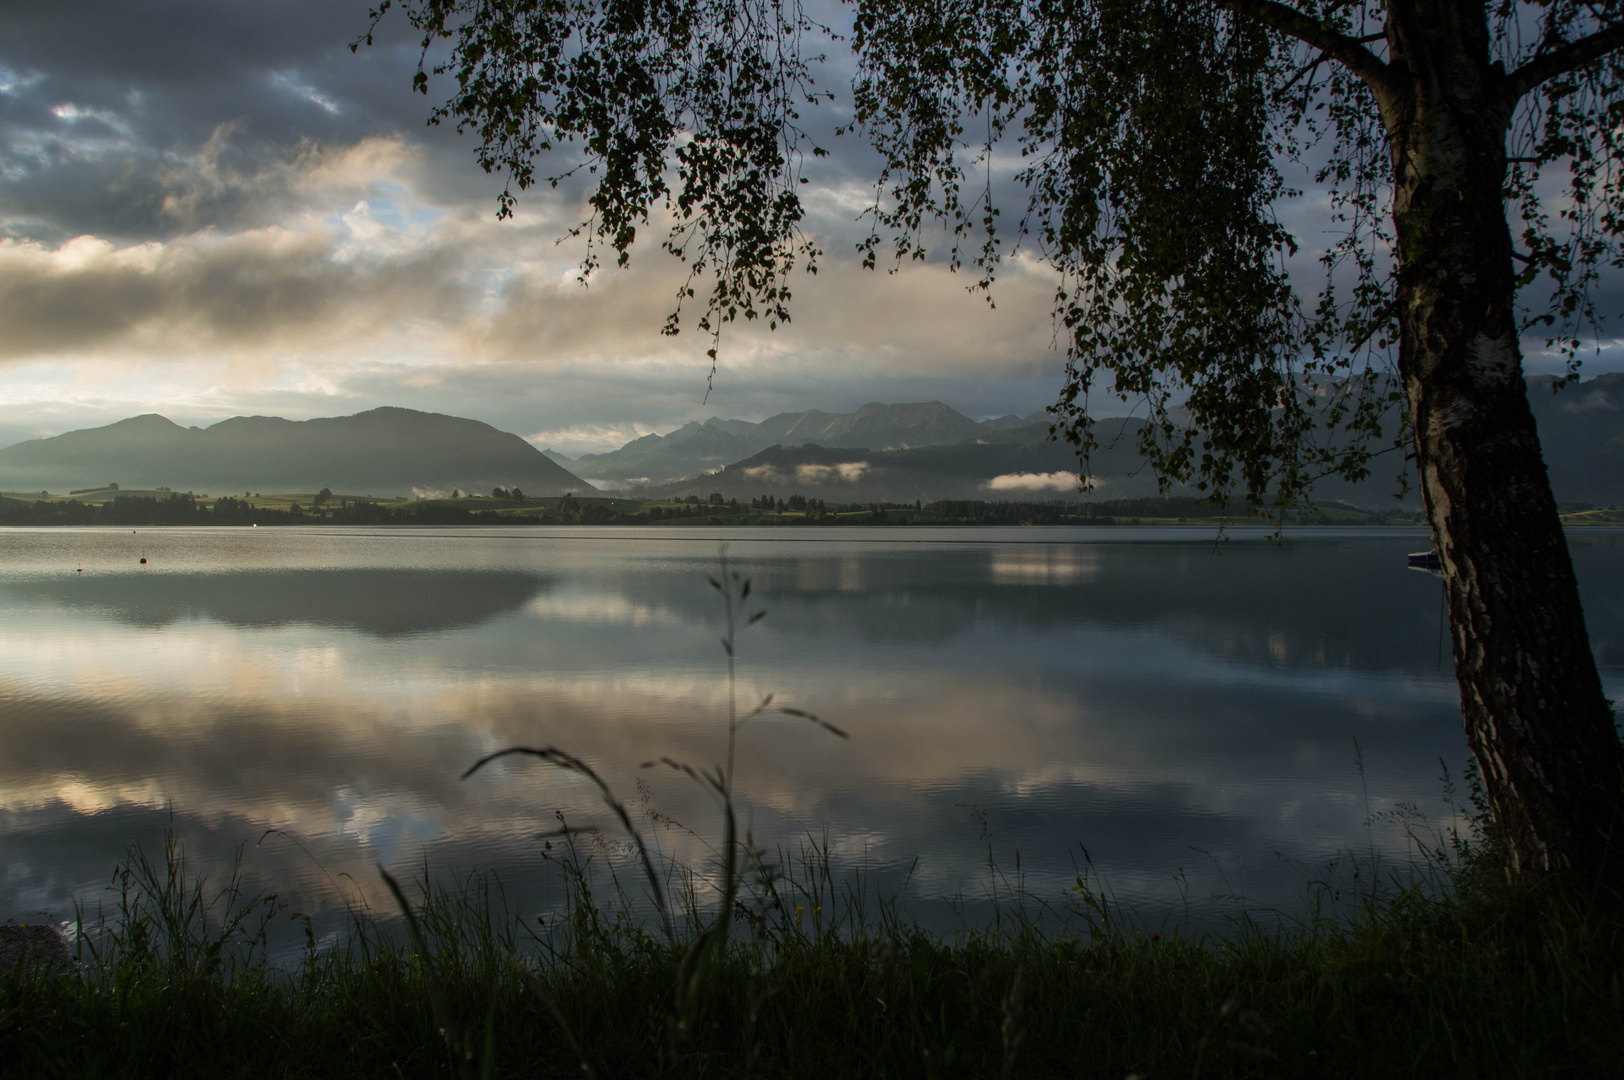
[[1426, 560]]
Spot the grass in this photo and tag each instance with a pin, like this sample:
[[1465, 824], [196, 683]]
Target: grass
[[178, 985], [772, 964]]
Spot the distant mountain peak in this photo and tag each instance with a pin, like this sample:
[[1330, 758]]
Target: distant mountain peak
[[145, 420]]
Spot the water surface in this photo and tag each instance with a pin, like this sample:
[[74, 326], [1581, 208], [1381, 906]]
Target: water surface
[[1185, 712]]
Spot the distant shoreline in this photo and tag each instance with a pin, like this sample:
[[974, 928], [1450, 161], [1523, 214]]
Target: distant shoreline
[[149, 508]]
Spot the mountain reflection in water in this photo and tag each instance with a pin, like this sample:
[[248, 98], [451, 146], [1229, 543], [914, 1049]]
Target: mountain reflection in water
[[1186, 710], [376, 601]]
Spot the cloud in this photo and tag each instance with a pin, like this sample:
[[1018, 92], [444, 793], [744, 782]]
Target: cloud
[[262, 289], [245, 217], [849, 471], [226, 182], [1027, 482], [614, 435], [918, 321], [361, 238], [293, 83], [102, 134]]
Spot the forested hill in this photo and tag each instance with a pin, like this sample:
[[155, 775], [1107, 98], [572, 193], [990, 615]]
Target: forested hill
[[387, 451], [697, 448]]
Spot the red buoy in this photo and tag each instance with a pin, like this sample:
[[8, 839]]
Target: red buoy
[[143, 560]]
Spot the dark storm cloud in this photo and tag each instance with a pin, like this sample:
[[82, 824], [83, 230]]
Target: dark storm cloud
[[184, 44], [106, 109]]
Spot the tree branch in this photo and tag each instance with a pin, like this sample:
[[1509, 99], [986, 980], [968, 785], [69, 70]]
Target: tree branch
[[1574, 54], [1349, 52]]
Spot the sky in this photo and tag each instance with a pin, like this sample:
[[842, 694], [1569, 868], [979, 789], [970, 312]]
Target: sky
[[212, 208]]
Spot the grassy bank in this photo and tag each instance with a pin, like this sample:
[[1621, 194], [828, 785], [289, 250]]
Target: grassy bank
[[808, 985]]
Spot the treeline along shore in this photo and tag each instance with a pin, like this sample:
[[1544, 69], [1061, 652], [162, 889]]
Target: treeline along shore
[[513, 508]]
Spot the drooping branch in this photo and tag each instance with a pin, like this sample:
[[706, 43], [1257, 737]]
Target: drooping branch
[[1575, 54], [1350, 52]]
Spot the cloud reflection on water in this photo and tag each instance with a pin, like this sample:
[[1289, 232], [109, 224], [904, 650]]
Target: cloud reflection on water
[[1133, 699], [378, 601]]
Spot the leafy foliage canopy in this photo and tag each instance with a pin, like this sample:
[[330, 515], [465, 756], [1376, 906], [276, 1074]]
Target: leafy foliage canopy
[[1155, 139]]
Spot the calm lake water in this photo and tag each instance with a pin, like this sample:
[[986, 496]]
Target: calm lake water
[[1186, 711]]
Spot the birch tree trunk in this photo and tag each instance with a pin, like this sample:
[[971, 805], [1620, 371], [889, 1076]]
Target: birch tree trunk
[[1535, 716]]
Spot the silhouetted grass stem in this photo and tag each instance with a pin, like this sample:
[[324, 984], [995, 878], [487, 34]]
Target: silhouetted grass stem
[[815, 983]]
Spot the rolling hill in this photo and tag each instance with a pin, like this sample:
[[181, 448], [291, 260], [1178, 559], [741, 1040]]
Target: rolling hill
[[386, 451]]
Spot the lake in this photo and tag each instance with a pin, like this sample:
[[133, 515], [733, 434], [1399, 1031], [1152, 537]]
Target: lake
[[1203, 726]]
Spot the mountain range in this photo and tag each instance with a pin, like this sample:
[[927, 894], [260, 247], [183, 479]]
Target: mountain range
[[385, 451], [1581, 429], [698, 448], [892, 453]]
